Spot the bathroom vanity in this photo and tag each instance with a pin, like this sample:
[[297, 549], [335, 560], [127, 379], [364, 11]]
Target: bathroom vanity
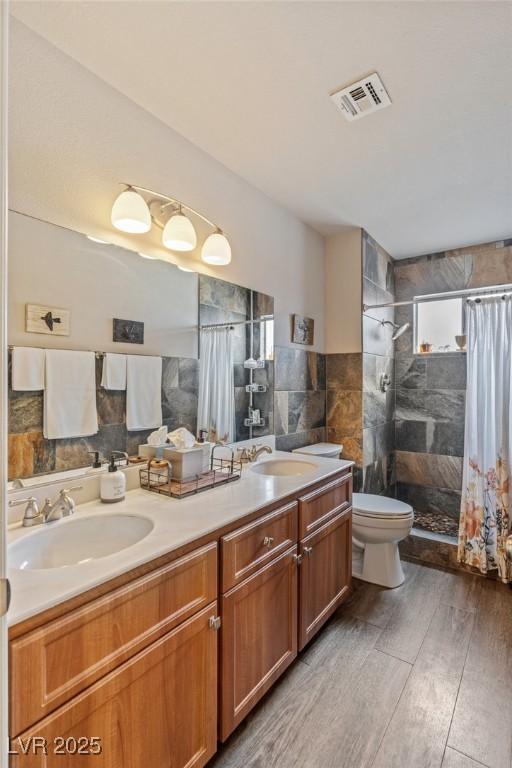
[[160, 650]]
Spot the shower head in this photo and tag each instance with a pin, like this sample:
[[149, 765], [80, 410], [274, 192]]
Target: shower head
[[399, 330]]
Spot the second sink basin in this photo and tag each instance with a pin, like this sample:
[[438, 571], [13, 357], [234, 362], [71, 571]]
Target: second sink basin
[[76, 541], [283, 467]]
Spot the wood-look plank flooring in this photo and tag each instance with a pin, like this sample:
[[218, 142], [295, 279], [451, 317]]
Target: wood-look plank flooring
[[415, 677]]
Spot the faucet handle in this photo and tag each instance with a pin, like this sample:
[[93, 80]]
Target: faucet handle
[[32, 514], [28, 500], [65, 491], [67, 500]]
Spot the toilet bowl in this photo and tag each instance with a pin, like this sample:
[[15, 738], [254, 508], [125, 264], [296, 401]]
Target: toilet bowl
[[378, 525]]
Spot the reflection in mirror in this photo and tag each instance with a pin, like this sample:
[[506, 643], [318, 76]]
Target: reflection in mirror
[[54, 267], [86, 285], [236, 361]]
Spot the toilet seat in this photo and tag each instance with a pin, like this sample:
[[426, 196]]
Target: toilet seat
[[373, 507]]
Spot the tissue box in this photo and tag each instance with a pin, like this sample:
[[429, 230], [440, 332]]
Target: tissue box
[[186, 463], [151, 451]]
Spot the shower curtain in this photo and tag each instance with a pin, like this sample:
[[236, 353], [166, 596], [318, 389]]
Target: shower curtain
[[216, 408], [485, 520]]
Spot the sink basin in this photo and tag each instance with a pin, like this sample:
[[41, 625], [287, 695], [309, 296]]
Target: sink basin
[[283, 468], [75, 541]]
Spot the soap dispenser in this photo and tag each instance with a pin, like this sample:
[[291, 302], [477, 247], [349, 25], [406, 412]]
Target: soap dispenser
[[113, 483]]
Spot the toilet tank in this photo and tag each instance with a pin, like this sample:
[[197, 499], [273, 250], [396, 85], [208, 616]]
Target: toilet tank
[[326, 450]]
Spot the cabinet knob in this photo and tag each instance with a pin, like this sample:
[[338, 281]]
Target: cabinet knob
[[268, 541], [297, 559], [215, 622], [307, 551]]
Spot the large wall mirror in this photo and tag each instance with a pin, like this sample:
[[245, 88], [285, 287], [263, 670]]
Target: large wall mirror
[[58, 269]]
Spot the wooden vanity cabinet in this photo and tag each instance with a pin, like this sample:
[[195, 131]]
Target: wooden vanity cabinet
[[258, 637], [138, 666], [325, 574], [157, 709], [325, 550]]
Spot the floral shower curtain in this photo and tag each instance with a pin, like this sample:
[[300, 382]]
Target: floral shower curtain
[[485, 520]]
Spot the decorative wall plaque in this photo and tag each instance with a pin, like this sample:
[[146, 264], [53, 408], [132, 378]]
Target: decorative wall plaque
[[128, 331], [52, 320], [303, 330]]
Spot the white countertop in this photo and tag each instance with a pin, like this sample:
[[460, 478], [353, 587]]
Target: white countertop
[[176, 522]]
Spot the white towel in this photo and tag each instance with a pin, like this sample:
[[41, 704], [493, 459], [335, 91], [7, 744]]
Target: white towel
[[114, 371], [70, 396], [143, 392], [27, 369]]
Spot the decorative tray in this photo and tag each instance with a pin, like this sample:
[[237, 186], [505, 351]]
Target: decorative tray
[[221, 471]]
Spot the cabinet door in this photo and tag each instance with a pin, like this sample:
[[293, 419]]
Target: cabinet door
[[325, 574], [258, 637], [158, 709]]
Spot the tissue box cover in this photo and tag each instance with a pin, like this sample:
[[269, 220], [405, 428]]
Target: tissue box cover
[[186, 463]]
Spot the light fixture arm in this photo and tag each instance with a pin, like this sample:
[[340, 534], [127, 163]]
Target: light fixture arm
[[158, 197]]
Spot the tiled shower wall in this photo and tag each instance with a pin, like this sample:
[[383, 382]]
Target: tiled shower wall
[[431, 389], [378, 353]]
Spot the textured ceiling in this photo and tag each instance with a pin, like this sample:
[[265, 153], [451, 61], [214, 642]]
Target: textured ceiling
[[249, 83]]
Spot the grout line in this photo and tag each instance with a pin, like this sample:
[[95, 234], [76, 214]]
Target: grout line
[[458, 688], [394, 710], [468, 756]]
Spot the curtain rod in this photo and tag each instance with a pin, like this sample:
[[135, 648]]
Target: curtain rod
[[263, 319], [465, 293]]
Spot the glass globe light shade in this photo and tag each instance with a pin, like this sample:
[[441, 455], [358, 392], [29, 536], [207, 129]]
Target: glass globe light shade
[[179, 233], [216, 250], [130, 213]]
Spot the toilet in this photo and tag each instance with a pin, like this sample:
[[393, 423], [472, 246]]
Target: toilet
[[378, 524]]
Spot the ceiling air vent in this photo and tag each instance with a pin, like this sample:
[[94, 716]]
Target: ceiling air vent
[[362, 98]]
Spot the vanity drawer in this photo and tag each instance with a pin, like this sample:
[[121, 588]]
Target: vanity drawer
[[249, 548], [55, 662], [317, 507]]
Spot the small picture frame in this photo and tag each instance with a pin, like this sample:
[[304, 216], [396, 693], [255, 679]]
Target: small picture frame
[[128, 331], [303, 330]]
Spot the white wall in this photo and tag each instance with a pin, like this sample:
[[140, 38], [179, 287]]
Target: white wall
[[73, 138], [53, 266], [343, 287]]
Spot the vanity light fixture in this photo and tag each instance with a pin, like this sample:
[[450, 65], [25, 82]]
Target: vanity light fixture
[[136, 208]]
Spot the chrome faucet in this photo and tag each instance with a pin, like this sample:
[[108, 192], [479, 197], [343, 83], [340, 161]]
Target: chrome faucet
[[62, 507], [252, 453]]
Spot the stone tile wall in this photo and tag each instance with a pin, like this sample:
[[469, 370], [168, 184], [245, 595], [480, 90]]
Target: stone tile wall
[[344, 373], [431, 389], [377, 359], [299, 398], [31, 454]]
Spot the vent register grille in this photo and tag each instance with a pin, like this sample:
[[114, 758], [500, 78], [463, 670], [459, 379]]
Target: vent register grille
[[362, 98]]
